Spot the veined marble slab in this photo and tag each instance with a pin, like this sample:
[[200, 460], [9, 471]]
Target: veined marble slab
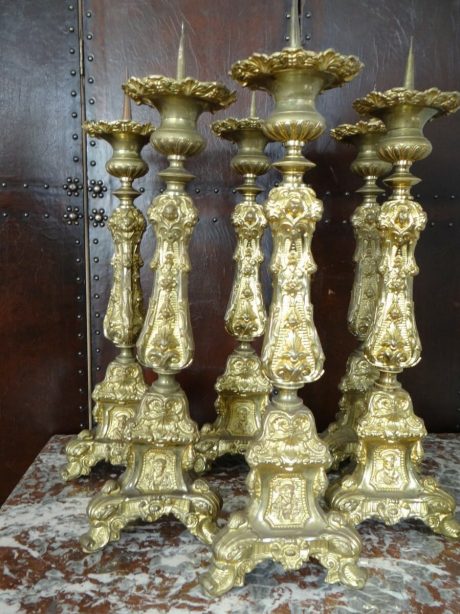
[[155, 567]]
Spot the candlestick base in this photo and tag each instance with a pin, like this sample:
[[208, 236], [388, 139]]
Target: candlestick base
[[386, 483], [340, 436], [117, 398], [284, 521], [156, 481], [243, 396]]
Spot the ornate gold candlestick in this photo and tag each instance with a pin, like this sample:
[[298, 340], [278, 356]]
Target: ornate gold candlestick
[[284, 520], [119, 394], [157, 480], [244, 388], [360, 374], [387, 483]]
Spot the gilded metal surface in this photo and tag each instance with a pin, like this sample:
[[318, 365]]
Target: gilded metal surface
[[244, 388], [162, 434], [360, 375], [118, 395], [284, 520], [387, 482], [153, 90], [376, 102], [256, 71]]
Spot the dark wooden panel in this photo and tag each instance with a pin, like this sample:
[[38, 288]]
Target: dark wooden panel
[[143, 36], [42, 292]]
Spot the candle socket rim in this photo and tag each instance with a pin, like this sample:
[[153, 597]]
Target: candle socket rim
[[347, 133], [336, 68], [376, 103], [103, 128], [213, 95]]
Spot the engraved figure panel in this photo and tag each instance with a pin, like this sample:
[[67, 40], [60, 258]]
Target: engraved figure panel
[[388, 470], [287, 504], [158, 471]]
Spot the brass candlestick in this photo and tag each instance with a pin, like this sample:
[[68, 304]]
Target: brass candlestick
[[284, 520], [387, 483], [157, 480], [244, 388], [118, 395], [360, 374]]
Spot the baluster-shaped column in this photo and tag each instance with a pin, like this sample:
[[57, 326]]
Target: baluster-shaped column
[[244, 388], [360, 374], [284, 520], [118, 395], [157, 480], [387, 483]]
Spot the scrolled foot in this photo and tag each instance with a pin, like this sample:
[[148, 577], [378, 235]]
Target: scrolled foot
[[352, 575], [80, 456], [449, 527], [95, 539], [219, 579]]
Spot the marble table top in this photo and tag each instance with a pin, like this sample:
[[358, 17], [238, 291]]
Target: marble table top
[[155, 567]]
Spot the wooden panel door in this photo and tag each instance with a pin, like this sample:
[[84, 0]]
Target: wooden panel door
[[43, 387]]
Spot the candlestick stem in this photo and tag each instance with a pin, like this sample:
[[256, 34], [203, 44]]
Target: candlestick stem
[[387, 482], [360, 374], [157, 480], [284, 520], [123, 386], [244, 388]]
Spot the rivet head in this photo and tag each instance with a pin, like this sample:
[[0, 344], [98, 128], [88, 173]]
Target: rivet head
[[90, 58], [73, 93], [71, 51], [92, 163], [73, 72], [72, 216], [91, 80], [98, 217], [74, 114], [91, 101], [72, 186]]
